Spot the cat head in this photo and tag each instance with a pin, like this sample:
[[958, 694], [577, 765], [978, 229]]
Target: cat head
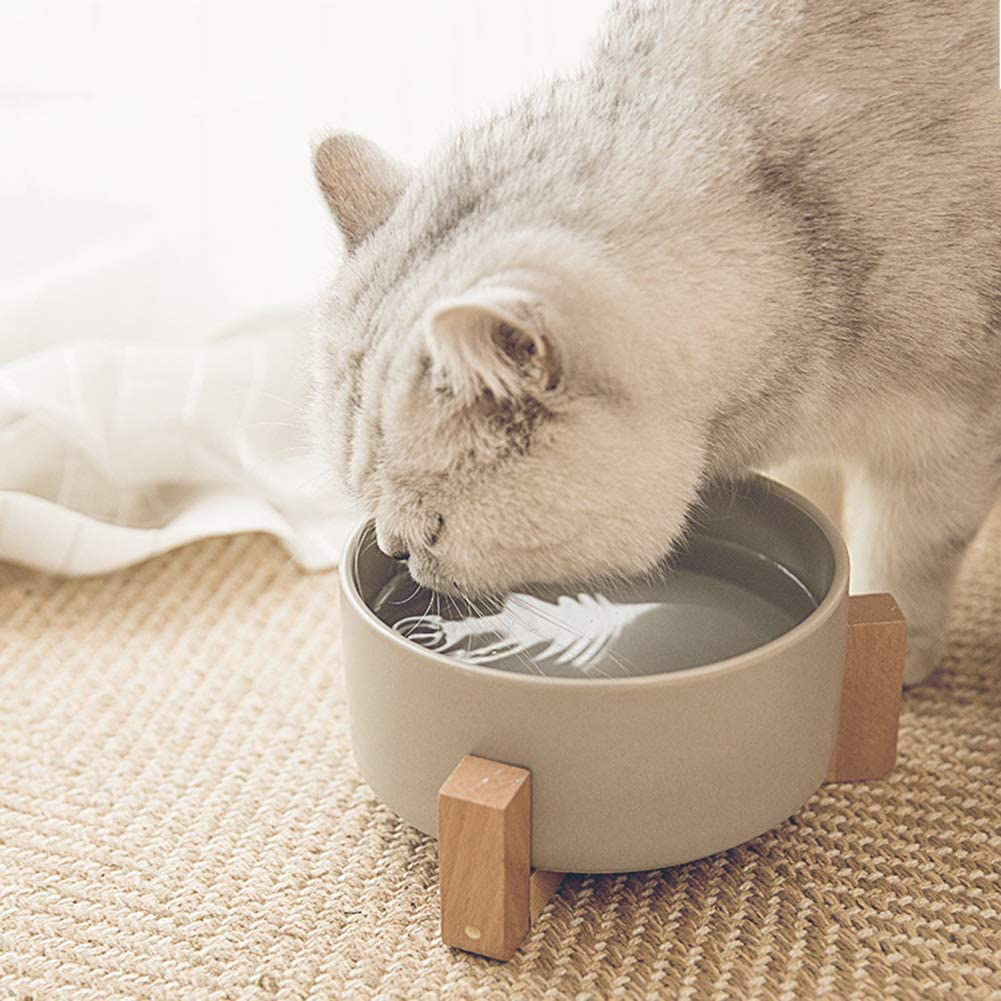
[[484, 388]]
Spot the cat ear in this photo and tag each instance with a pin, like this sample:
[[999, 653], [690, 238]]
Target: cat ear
[[492, 339], [360, 183]]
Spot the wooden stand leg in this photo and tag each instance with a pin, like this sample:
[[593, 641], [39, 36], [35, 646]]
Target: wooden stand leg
[[489, 894], [866, 746]]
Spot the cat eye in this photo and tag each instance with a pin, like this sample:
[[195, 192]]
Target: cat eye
[[436, 531]]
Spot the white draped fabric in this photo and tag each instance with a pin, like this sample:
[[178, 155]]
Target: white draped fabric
[[161, 241], [115, 452]]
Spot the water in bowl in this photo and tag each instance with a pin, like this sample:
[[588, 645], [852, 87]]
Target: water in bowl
[[716, 600]]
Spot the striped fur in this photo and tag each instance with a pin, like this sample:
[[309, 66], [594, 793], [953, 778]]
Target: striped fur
[[750, 234]]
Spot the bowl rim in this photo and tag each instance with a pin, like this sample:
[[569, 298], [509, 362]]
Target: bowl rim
[[816, 620]]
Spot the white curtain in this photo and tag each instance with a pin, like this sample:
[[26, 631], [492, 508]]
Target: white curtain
[[161, 243]]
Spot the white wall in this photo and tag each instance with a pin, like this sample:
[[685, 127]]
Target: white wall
[[154, 174]]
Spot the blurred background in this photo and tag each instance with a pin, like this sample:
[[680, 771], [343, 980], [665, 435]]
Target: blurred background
[[163, 241]]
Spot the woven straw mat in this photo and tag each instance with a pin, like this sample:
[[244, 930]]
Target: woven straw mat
[[180, 817]]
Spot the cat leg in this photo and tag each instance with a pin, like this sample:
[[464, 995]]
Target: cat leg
[[907, 532]]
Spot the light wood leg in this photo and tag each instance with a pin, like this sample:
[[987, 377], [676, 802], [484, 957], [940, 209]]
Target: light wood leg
[[489, 894], [866, 746]]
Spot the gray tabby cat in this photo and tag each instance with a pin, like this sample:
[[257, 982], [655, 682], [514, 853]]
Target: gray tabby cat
[[742, 234]]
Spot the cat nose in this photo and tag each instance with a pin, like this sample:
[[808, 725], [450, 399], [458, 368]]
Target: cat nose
[[392, 545], [395, 551]]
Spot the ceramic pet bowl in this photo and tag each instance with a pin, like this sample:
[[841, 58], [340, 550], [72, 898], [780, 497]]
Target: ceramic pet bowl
[[689, 758]]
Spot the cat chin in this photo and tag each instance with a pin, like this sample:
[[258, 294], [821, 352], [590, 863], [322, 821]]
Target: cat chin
[[430, 573], [444, 583], [504, 576]]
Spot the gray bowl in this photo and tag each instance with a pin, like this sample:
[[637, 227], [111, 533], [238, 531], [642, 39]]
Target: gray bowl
[[627, 773]]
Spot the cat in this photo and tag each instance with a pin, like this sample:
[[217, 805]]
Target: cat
[[742, 235]]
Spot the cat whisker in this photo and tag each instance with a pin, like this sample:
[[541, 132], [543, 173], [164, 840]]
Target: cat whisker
[[553, 643], [275, 424], [410, 597], [520, 655], [627, 666], [257, 392]]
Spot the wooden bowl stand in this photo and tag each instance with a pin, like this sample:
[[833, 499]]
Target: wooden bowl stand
[[491, 896]]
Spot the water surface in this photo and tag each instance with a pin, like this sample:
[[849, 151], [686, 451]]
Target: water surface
[[717, 600]]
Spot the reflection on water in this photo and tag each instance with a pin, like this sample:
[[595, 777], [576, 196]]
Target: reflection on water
[[718, 601]]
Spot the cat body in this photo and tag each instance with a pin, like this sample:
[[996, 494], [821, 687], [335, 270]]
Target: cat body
[[741, 236]]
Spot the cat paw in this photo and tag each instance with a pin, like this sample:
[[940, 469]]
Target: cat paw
[[923, 656]]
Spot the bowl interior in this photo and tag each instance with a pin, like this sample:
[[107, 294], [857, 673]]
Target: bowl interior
[[757, 562]]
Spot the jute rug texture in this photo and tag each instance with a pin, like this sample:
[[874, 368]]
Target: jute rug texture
[[181, 818]]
